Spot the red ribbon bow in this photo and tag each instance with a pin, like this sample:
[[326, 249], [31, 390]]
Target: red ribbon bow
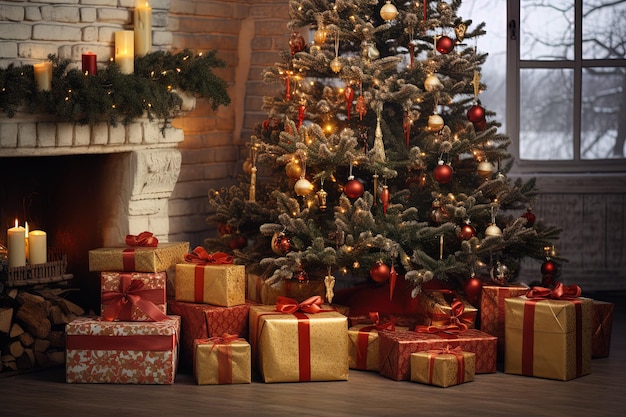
[[560, 292], [131, 294], [375, 317], [289, 305], [223, 339], [142, 239], [200, 256], [449, 332], [457, 316]]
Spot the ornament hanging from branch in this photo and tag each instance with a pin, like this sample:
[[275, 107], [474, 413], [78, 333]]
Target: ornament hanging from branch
[[459, 31], [348, 94], [444, 44], [493, 230], [380, 272], [322, 195], [296, 43], [335, 64], [301, 113], [378, 150], [443, 172], [281, 243], [361, 106], [388, 12], [530, 217], [353, 188], [385, 196], [329, 283]]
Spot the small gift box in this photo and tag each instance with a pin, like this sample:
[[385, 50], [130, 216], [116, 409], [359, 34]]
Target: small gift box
[[113, 352], [602, 325], [297, 342], [260, 290], [442, 309], [222, 360], [210, 279], [363, 344], [548, 333], [141, 254], [136, 296], [492, 309], [443, 367]]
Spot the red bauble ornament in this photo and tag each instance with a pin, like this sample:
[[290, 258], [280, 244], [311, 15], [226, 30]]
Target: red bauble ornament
[[530, 217], [473, 287], [281, 243], [476, 113], [443, 173], [380, 272], [301, 276], [296, 43], [224, 229], [353, 188], [444, 45], [479, 126], [548, 267], [385, 195], [466, 232], [237, 241]]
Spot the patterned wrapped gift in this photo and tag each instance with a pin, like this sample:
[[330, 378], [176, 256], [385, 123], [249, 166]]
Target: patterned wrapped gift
[[395, 348], [201, 321], [222, 360], [548, 333], [443, 308], [133, 296], [210, 279], [602, 325], [262, 291], [139, 255], [297, 342], [113, 352], [363, 344], [443, 367], [492, 309]]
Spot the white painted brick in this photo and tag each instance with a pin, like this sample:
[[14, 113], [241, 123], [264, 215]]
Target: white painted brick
[[27, 134], [8, 49], [152, 132], [103, 53], [64, 51], [8, 135], [159, 20], [11, 13], [146, 207], [56, 32], [82, 135], [138, 224], [63, 14], [90, 34], [106, 33], [100, 134], [65, 134], [173, 135], [14, 31], [32, 14], [46, 134], [161, 38], [161, 4], [88, 14], [36, 50], [111, 3], [56, 1], [117, 135], [134, 133], [114, 15]]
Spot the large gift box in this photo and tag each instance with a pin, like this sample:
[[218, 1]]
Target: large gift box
[[138, 258], [294, 342], [113, 352], [442, 309], [443, 367], [133, 296], [260, 290], [363, 345], [548, 334], [222, 360], [201, 321], [492, 309], [602, 325], [395, 348], [221, 285]]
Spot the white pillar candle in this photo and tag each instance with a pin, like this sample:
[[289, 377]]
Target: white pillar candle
[[38, 247], [43, 76], [143, 28], [26, 239], [16, 245], [125, 51]]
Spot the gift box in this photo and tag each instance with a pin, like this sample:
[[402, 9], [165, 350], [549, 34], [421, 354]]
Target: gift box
[[260, 290], [601, 326], [202, 321], [134, 296], [492, 310], [363, 345], [298, 346], [443, 367], [222, 360], [138, 258], [220, 285], [395, 349], [113, 352], [442, 309], [547, 337]]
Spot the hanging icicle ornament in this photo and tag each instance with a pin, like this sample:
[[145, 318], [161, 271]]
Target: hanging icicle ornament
[[287, 87], [443, 172], [329, 283], [348, 94], [353, 188], [301, 113], [322, 195], [388, 12], [253, 171], [407, 124], [385, 196], [375, 188], [378, 150], [493, 229], [335, 64], [361, 106]]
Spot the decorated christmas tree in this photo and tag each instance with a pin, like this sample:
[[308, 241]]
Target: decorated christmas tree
[[377, 159]]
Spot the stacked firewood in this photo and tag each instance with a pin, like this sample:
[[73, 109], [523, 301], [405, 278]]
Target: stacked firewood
[[32, 328]]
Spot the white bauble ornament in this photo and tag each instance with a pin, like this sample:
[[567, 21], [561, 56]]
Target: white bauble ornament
[[432, 83], [435, 122], [485, 169], [493, 230], [303, 187]]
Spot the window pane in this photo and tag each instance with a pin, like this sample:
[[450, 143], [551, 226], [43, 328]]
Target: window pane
[[546, 110], [547, 30], [603, 109], [603, 29]]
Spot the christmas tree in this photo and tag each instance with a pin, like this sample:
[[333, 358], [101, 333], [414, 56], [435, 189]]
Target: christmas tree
[[377, 159]]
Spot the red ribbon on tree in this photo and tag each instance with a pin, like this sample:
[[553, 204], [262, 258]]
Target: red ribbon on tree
[[131, 293], [146, 239], [460, 360], [200, 256]]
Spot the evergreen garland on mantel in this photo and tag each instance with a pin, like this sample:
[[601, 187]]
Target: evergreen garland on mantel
[[111, 96]]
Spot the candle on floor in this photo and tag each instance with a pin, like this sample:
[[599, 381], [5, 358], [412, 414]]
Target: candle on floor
[[90, 66], [125, 51], [43, 75], [16, 245], [143, 28], [38, 247]]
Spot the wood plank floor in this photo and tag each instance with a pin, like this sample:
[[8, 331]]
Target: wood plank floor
[[603, 393]]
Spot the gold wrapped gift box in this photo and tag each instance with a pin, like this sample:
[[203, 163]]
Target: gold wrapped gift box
[[139, 258], [442, 309], [220, 285], [442, 369], [217, 361], [363, 352]]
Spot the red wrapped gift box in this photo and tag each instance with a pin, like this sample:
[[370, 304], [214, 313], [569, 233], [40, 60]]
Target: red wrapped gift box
[[602, 325], [201, 321], [395, 349], [492, 309], [123, 299]]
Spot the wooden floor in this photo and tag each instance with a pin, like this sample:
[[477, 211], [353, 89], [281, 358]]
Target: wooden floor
[[603, 393]]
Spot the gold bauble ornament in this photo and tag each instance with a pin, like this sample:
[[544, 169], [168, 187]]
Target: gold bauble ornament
[[335, 65], [293, 170], [388, 11], [493, 230], [319, 36], [485, 169], [303, 187], [432, 83], [435, 122]]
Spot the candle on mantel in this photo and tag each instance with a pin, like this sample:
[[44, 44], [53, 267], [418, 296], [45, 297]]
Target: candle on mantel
[[43, 75], [16, 245], [90, 66], [143, 28], [38, 247], [125, 51], [26, 240]]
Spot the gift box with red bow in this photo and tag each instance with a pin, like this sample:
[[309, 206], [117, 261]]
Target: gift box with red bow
[[444, 308], [114, 352], [133, 296], [395, 348], [262, 291], [210, 279], [363, 343], [492, 309], [142, 253], [222, 360], [548, 333], [443, 367], [299, 342]]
